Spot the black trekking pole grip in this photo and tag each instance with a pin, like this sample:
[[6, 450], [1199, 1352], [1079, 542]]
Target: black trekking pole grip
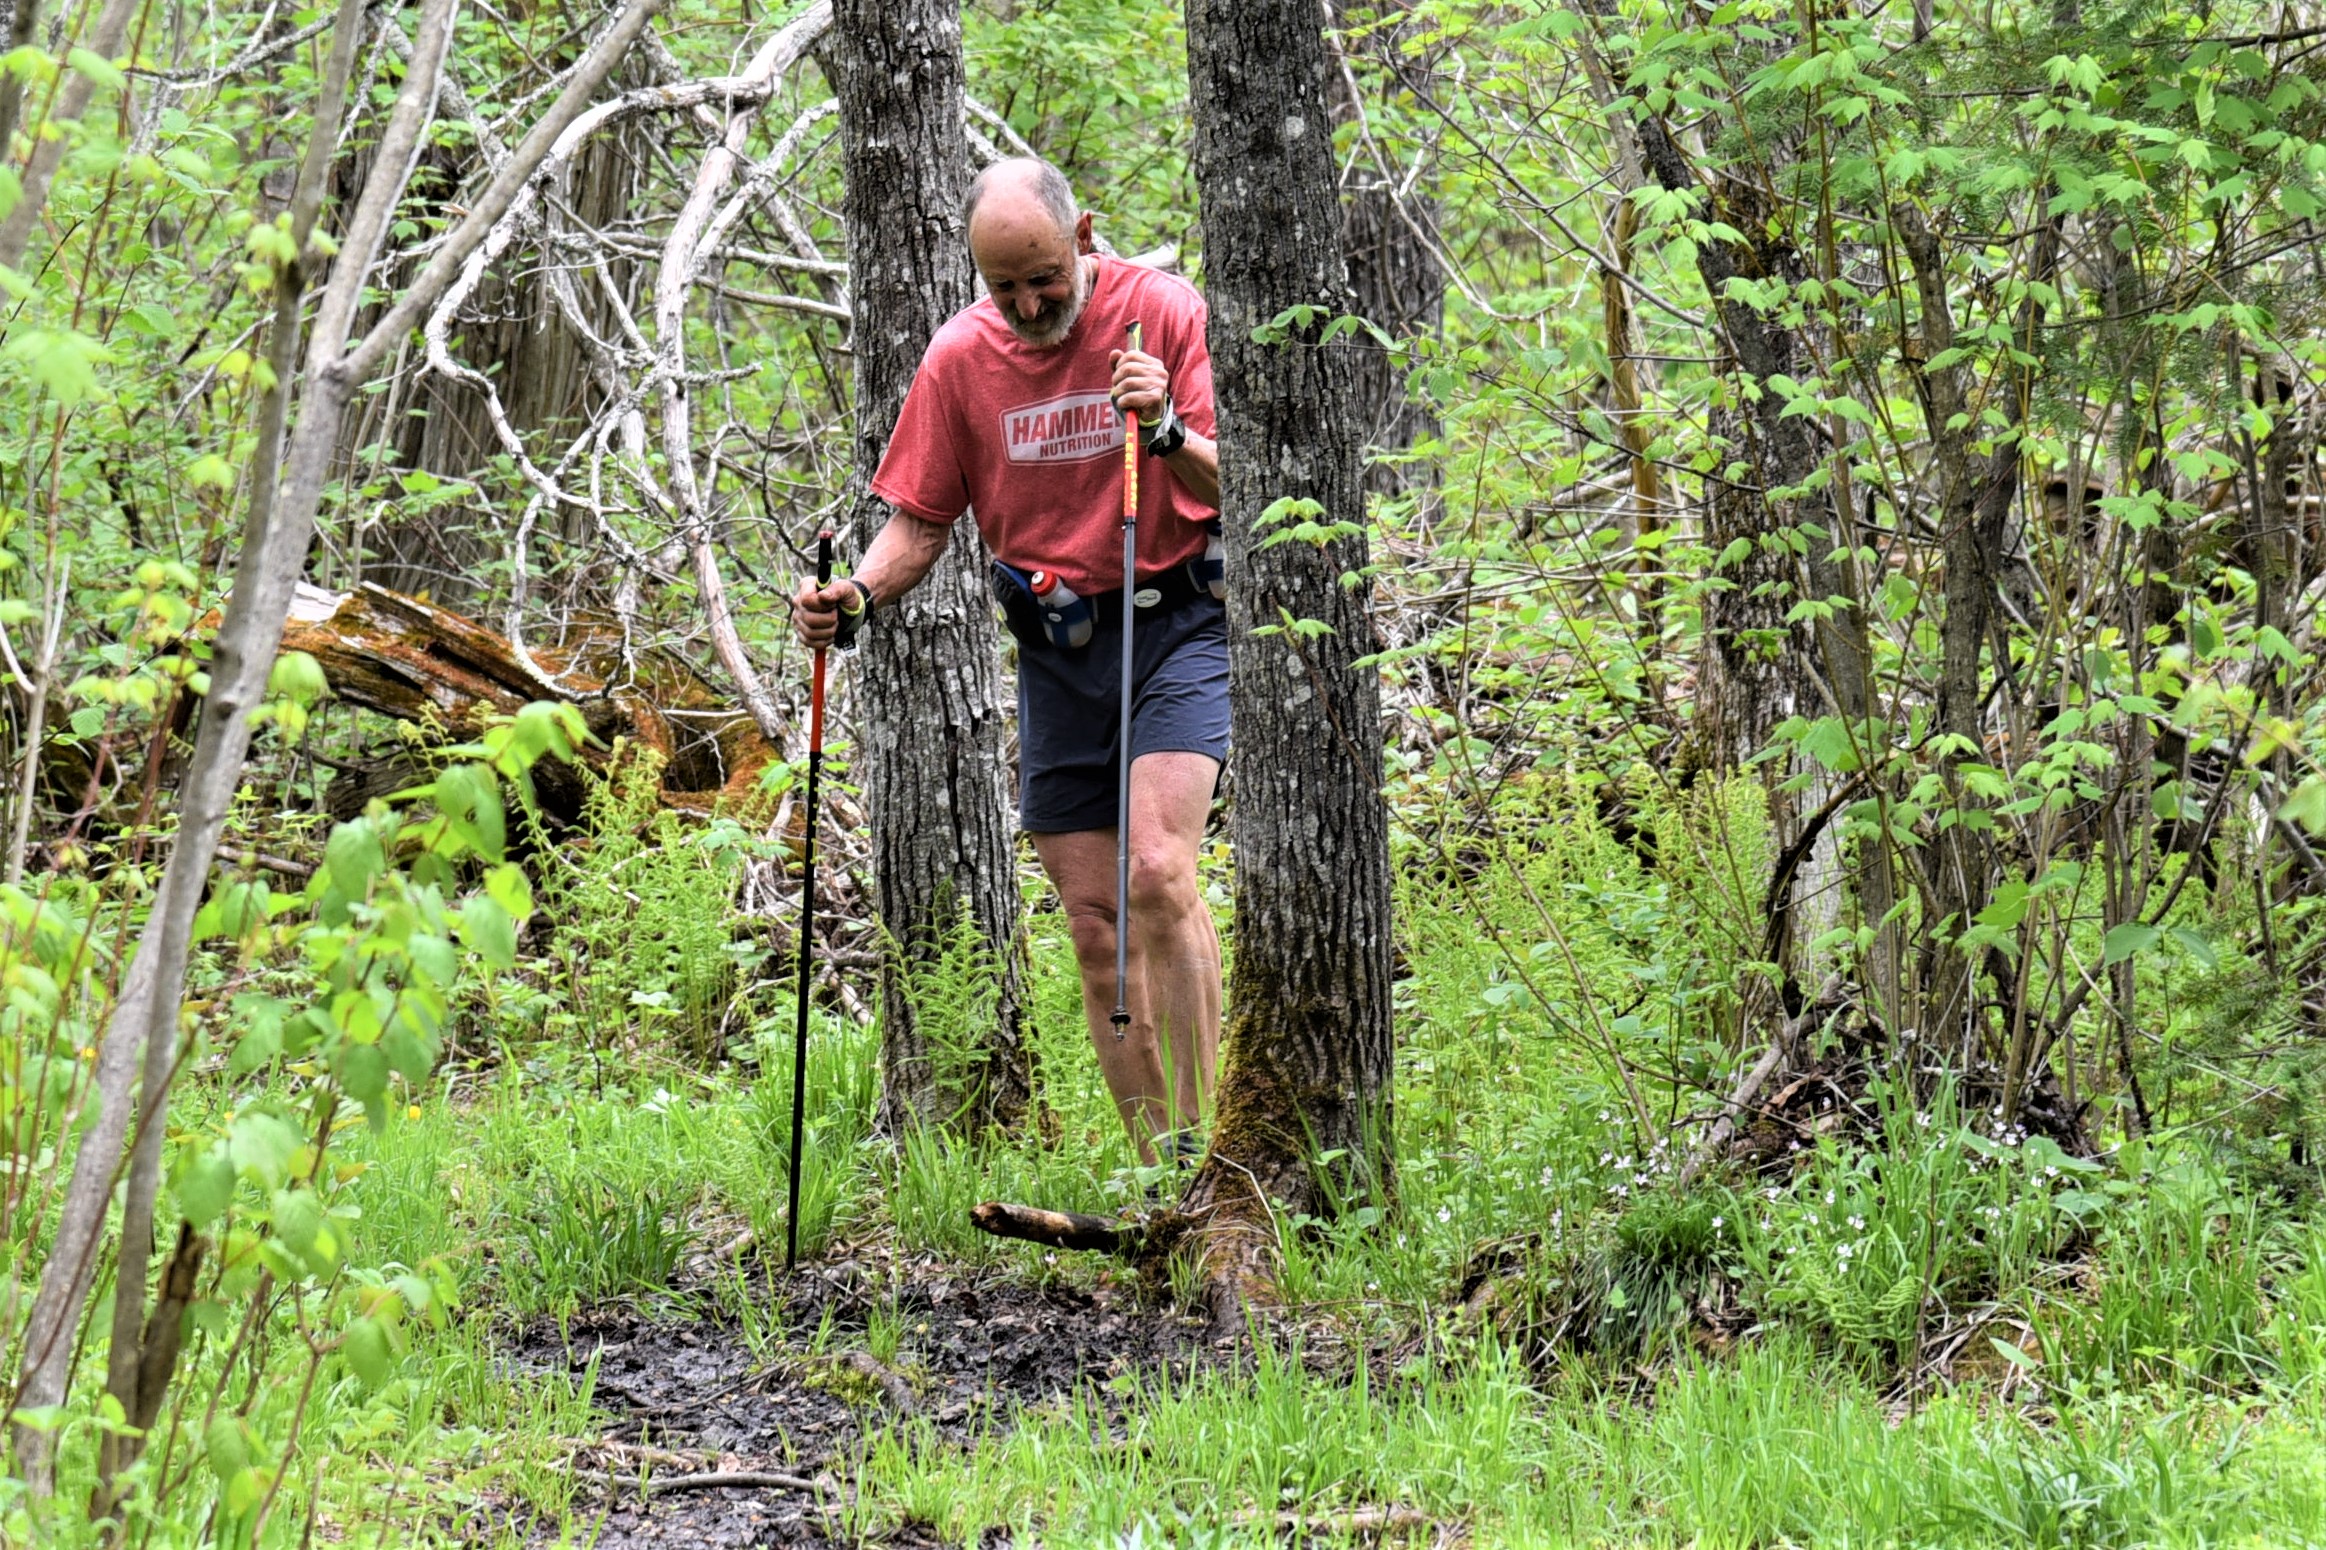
[[799, 1054]]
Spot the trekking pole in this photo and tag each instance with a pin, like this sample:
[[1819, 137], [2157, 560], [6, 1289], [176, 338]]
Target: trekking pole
[[799, 1048], [1121, 1017]]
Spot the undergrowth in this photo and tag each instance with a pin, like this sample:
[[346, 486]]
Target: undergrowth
[[1919, 1328]]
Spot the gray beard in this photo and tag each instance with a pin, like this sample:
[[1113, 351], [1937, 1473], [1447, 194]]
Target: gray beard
[[1052, 335]]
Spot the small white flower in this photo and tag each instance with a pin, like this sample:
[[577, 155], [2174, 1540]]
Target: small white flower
[[1858, 1223], [1716, 1224], [1845, 1251], [1445, 1214]]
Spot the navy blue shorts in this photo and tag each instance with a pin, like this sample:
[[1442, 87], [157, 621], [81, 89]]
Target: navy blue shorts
[[1070, 709]]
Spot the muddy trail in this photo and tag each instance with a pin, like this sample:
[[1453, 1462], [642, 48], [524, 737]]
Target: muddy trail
[[745, 1448]]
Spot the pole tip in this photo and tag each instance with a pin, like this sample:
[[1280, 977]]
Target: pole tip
[[1121, 1020]]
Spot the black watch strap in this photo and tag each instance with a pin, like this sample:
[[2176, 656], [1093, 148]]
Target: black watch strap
[[1169, 433], [853, 620]]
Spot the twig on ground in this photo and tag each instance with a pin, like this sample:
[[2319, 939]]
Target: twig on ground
[[711, 1480], [1361, 1520]]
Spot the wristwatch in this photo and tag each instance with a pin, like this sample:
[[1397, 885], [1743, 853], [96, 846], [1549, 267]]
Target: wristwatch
[[1168, 434]]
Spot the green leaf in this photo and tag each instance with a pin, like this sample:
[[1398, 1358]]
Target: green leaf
[[227, 1446], [2007, 909], [363, 1072], [298, 1217], [96, 67], [2012, 1354], [206, 1188], [365, 1345], [298, 677], [260, 1020], [61, 360], [408, 1054], [510, 889], [2193, 943], [488, 931], [2125, 940], [263, 1145], [470, 800], [210, 472], [2307, 805], [245, 1489], [353, 858]]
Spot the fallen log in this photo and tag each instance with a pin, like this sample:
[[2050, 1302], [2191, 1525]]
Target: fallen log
[[429, 666], [1056, 1229]]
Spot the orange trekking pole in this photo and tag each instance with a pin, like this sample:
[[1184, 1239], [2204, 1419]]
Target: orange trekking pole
[[799, 1056], [1121, 1017]]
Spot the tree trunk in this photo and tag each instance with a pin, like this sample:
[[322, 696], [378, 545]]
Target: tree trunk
[[931, 749], [1308, 1042], [1394, 276]]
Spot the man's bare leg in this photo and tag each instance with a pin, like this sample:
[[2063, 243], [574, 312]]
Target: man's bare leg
[[1174, 957]]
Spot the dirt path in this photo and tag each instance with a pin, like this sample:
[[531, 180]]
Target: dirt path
[[690, 1397]]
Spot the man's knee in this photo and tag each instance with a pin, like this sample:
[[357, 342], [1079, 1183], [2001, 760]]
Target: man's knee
[[1092, 927], [1162, 882]]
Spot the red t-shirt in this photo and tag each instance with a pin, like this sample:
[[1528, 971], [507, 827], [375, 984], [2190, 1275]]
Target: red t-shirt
[[1030, 441]]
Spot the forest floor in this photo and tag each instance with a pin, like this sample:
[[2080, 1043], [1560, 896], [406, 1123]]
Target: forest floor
[[1899, 1328], [689, 1399]]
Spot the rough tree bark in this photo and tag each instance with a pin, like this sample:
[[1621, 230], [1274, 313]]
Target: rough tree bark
[[1390, 227], [18, 18], [931, 752], [1308, 1043]]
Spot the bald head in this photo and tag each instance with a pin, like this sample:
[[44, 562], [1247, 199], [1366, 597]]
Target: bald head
[[1021, 187], [1028, 242]]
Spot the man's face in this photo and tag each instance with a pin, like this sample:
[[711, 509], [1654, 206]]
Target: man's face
[[1033, 270]]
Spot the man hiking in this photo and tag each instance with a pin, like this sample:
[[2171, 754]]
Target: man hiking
[[1015, 415]]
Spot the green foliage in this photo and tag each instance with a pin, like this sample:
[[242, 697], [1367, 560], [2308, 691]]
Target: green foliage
[[646, 933], [593, 1243]]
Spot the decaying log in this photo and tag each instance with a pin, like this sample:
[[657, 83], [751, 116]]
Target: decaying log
[[430, 666], [1057, 1229]]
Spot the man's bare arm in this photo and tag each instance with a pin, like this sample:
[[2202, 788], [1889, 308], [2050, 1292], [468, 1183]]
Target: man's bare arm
[[1196, 465], [1142, 385], [902, 552]]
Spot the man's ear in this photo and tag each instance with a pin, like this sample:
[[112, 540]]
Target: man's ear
[[1082, 242]]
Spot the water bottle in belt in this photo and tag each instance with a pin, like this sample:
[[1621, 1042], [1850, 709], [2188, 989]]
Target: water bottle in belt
[[1065, 616]]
